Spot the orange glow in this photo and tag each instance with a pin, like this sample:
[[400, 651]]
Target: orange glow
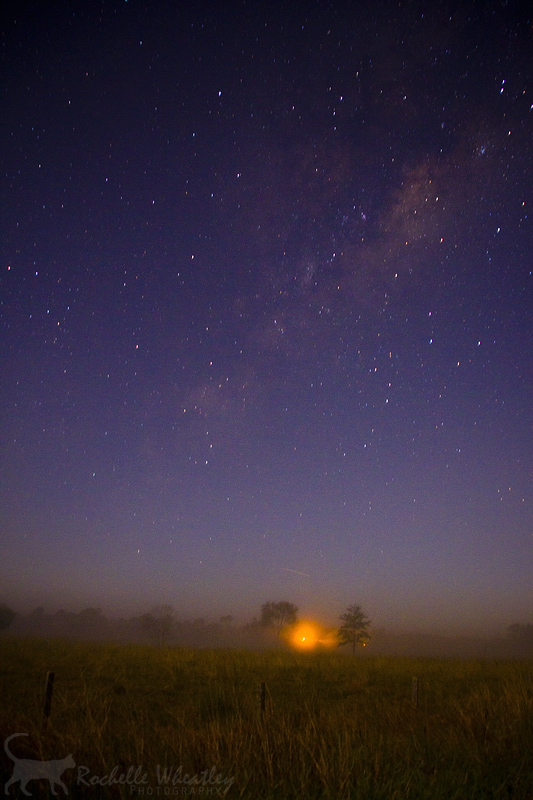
[[307, 635], [304, 636]]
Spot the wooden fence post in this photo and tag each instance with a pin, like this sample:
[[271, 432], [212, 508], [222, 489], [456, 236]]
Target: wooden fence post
[[48, 696], [262, 697]]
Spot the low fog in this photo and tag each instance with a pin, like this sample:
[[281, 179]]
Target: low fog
[[162, 626]]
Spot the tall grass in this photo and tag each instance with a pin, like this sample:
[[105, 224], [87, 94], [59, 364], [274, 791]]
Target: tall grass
[[334, 726]]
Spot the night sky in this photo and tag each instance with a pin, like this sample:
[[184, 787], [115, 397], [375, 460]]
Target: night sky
[[266, 309]]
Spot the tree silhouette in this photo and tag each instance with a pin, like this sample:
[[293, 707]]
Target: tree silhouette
[[159, 623], [521, 636], [354, 628], [278, 616]]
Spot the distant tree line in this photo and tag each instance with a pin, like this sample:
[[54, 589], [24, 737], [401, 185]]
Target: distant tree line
[[161, 626]]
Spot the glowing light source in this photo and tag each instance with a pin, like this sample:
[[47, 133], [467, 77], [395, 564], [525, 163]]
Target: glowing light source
[[308, 635]]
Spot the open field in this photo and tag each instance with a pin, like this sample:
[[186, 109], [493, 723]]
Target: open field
[[333, 726]]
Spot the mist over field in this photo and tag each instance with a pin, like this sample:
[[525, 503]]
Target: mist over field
[[164, 626]]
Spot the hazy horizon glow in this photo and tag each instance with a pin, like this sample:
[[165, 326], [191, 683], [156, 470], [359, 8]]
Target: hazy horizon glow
[[266, 305]]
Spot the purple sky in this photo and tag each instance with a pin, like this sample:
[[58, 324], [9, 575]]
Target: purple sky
[[266, 309]]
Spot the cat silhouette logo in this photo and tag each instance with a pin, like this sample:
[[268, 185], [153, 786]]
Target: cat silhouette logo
[[28, 769]]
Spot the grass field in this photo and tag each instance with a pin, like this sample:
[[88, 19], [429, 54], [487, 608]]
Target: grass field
[[333, 727]]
